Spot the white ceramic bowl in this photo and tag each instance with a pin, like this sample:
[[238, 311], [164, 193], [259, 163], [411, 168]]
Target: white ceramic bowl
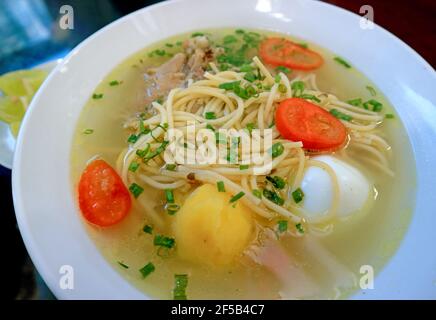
[[43, 195]]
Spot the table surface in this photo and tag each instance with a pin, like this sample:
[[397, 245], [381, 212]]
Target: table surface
[[411, 21]]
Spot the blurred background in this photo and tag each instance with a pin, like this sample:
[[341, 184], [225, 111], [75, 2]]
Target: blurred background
[[30, 35]]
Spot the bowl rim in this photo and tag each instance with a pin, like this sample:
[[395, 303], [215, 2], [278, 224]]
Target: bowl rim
[[17, 162]]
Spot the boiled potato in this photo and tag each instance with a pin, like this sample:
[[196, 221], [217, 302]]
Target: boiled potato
[[211, 230]]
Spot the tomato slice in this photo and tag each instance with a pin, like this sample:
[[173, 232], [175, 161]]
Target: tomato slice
[[282, 52], [103, 198], [299, 120]]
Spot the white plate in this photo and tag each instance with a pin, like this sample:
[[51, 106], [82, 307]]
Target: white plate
[[7, 139], [43, 195]]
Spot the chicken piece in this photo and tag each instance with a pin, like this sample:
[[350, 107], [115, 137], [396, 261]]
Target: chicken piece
[[166, 77]]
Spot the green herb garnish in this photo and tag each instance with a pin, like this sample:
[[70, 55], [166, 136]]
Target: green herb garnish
[[340, 115], [220, 186], [355, 102], [276, 181], [389, 116], [342, 61], [114, 83], [283, 69], [376, 106], [299, 227], [310, 97], [147, 269], [97, 96], [210, 115], [181, 283], [371, 91], [282, 225], [125, 266], [298, 195], [88, 131], [244, 167], [169, 195], [273, 197], [297, 88], [277, 149], [171, 167], [237, 197], [136, 190], [163, 241], [133, 166], [257, 193], [148, 229]]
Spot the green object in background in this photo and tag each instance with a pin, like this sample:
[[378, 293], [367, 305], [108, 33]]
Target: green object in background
[[17, 90]]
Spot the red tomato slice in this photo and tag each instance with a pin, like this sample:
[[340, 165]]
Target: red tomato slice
[[103, 198], [282, 52], [299, 120]]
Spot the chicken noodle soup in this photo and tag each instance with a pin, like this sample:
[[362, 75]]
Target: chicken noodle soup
[[308, 173]]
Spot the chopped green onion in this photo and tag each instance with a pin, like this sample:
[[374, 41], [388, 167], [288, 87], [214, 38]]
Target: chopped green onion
[[181, 283], [163, 241], [282, 88], [297, 88], [160, 53], [158, 151], [355, 102], [244, 167], [239, 31], [210, 127], [237, 197], [342, 61], [277, 149], [169, 45], [371, 91], [148, 229], [220, 186], [277, 78], [337, 114], [88, 131], [169, 195], [273, 197], [229, 39], [250, 126], [197, 34], [172, 208], [114, 83], [229, 85], [147, 269], [210, 115], [257, 193], [97, 96], [376, 106], [310, 97], [246, 68], [132, 138], [299, 227], [276, 181], [179, 43], [283, 69], [282, 225], [136, 190], [142, 153], [125, 266], [133, 166], [250, 76], [171, 167], [298, 195], [303, 45], [389, 116]]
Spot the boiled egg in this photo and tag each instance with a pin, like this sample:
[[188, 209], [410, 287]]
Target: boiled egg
[[317, 185]]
